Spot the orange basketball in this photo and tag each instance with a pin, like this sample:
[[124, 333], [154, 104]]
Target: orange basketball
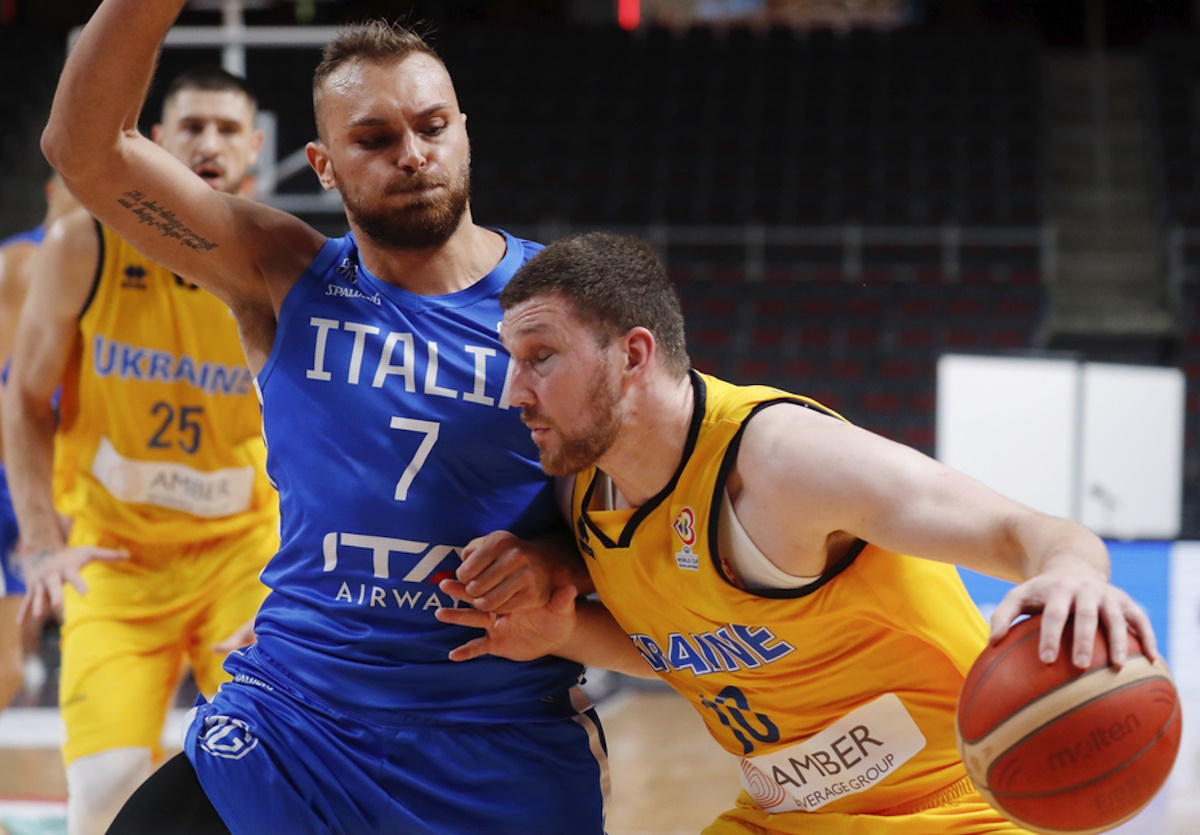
[[1057, 749]]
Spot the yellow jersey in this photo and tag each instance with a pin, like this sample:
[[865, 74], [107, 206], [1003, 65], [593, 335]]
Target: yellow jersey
[[838, 696], [159, 438]]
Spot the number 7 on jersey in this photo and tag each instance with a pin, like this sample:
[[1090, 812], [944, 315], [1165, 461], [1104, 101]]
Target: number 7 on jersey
[[429, 429]]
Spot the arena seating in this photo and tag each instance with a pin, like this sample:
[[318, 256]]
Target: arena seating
[[783, 128], [867, 348], [774, 127]]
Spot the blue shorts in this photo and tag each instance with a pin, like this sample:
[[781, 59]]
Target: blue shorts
[[272, 758], [10, 578]]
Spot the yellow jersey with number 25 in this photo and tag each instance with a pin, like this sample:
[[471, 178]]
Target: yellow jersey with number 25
[[160, 433], [837, 696]]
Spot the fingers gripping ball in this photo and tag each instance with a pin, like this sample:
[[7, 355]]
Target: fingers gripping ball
[[1057, 749]]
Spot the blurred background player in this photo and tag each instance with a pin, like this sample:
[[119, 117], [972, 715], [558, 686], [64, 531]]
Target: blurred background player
[[159, 447], [15, 255]]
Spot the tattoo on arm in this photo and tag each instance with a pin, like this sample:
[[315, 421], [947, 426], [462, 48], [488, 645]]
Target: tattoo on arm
[[155, 214]]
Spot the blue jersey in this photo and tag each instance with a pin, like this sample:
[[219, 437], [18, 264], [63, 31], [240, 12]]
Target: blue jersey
[[392, 443], [29, 236], [11, 582]]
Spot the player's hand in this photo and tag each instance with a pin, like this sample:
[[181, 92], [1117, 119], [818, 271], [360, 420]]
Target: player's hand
[[47, 570], [243, 636], [502, 573], [1068, 590], [522, 635]]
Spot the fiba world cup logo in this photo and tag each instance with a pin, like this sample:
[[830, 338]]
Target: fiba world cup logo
[[685, 526]]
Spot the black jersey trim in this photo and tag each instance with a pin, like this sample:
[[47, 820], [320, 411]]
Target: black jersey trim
[[714, 513], [95, 288], [699, 407]]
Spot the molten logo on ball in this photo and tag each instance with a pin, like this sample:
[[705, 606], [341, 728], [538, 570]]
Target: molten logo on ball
[[1058, 749], [1095, 742]]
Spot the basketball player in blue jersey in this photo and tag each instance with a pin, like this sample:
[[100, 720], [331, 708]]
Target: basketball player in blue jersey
[[392, 442], [15, 255]]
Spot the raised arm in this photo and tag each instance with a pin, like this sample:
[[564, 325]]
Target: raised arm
[[853, 482], [243, 252]]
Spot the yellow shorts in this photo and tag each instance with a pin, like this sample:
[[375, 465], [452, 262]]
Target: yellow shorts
[[968, 815], [125, 642]]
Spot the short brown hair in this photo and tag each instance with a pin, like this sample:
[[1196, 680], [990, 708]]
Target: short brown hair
[[377, 41], [614, 282], [209, 79]]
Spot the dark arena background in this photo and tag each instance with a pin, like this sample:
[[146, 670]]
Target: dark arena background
[[972, 226]]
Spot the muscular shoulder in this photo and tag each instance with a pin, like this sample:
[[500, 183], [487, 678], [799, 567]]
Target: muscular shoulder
[[12, 267], [281, 245], [70, 253], [75, 233], [774, 480], [787, 437]]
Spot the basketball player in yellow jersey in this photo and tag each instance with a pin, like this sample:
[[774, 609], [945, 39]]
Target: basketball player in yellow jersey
[[752, 546], [159, 446]]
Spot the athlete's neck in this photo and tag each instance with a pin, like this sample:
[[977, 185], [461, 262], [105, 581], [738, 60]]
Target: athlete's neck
[[657, 415], [470, 253]]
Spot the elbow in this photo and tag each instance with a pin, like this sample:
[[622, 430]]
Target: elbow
[[67, 154], [20, 408], [55, 145]]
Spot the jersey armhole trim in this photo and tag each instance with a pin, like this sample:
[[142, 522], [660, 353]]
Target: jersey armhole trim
[[100, 255], [714, 516], [699, 408]]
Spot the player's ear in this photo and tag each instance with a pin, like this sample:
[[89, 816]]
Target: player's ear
[[640, 348], [318, 159], [257, 138]]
